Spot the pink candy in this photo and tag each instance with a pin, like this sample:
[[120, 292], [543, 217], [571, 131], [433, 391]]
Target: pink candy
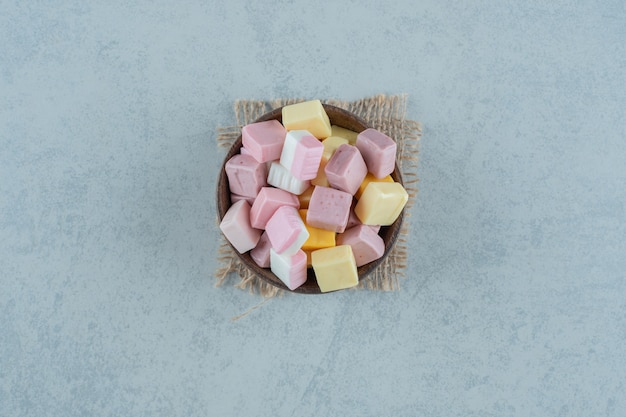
[[236, 227], [286, 230], [267, 202], [246, 175], [261, 253], [265, 220], [366, 244], [329, 209], [263, 140], [302, 154], [379, 152], [346, 169]]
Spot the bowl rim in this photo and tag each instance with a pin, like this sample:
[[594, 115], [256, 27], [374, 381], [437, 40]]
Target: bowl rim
[[364, 271]]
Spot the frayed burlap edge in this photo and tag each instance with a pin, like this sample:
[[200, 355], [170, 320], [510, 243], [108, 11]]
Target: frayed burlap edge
[[384, 113]]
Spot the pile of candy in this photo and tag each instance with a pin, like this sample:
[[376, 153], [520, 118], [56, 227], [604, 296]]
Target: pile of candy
[[306, 193]]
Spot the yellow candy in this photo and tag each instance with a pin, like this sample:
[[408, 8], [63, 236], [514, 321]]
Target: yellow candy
[[331, 144], [335, 268], [305, 197], [370, 178], [344, 133], [318, 238], [308, 115], [381, 203]]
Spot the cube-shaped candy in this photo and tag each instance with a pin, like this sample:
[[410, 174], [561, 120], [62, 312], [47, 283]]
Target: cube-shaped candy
[[286, 230], [335, 268], [347, 134], [280, 177], [371, 178], [245, 175], [301, 154], [309, 115], [379, 152], [305, 197], [329, 209], [346, 169], [261, 252], [381, 203], [318, 238], [264, 140], [267, 202], [237, 229], [290, 269], [367, 245]]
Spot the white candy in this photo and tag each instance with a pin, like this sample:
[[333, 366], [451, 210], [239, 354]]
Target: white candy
[[280, 177], [290, 269], [301, 154]]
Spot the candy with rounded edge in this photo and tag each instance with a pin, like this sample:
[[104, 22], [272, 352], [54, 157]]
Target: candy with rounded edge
[[329, 209], [309, 115], [266, 204], [378, 150], [263, 140], [367, 245], [335, 268], [280, 177], [346, 169], [381, 203], [246, 175], [301, 154], [235, 226], [290, 269], [286, 230]]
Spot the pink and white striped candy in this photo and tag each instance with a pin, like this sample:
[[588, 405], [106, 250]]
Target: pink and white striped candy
[[286, 230], [290, 269], [280, 177], [301, 154]]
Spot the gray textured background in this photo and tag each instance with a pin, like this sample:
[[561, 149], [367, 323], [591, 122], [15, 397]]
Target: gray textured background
[[515, 303]]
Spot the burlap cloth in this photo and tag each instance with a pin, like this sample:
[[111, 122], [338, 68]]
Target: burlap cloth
[[385, 113]]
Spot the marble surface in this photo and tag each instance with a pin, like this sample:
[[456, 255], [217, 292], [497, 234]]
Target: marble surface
[[515, 302]]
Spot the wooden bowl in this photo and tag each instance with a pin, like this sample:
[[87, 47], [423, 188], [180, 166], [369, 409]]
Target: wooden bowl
[[339, 117]]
